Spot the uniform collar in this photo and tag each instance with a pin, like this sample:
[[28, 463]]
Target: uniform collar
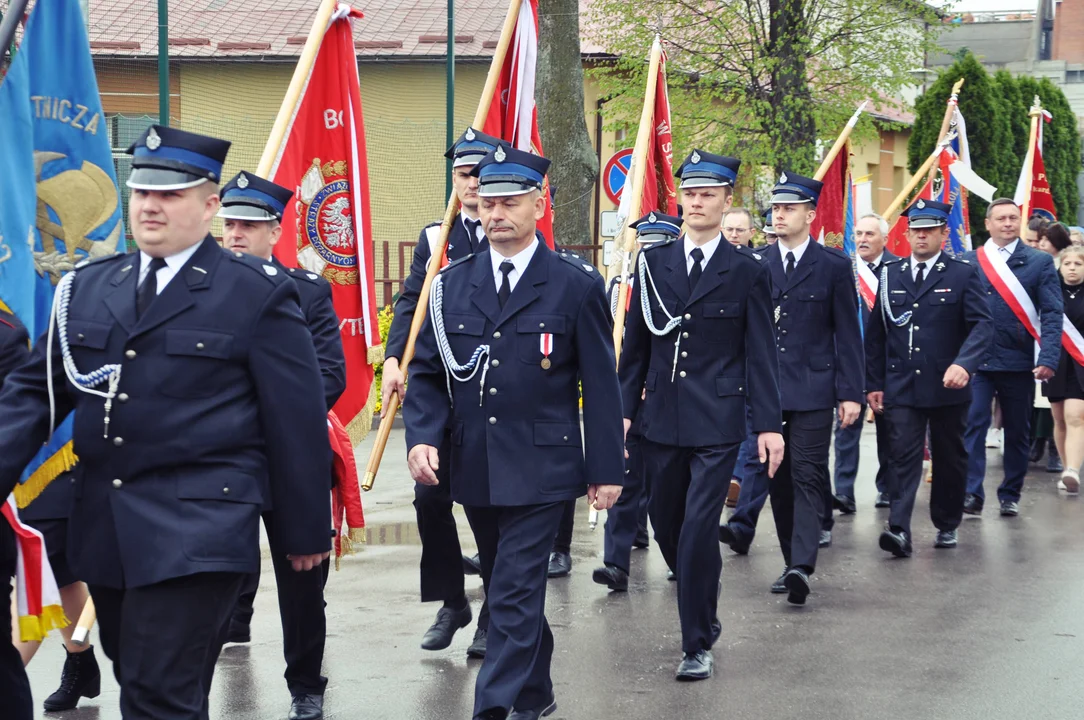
[[520, 260], [707, 248], [798, 251], [173, 262]]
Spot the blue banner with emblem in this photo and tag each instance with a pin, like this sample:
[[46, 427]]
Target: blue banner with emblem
[[77, 210]]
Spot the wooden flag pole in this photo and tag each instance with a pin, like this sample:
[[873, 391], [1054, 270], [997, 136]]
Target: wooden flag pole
[[495, 68], [86, 622], [946, 122], [297, 84], [918, 177], [840, 142], [629, 249], [1035, 114]]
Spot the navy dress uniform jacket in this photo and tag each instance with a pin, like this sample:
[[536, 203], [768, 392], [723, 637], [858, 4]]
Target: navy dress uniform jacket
[[459, 247], [1013, 348], [319, 311], [14, 344], [819, 339], [727, 351], [952, 326], [218, 406], [516, 439]]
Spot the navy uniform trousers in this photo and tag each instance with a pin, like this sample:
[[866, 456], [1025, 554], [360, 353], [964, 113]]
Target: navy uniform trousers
[[627, 519]]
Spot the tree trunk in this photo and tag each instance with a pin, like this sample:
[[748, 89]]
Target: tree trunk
[[790, 123], [565, 141]]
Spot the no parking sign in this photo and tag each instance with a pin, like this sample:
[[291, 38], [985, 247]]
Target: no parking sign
[[615, 173]]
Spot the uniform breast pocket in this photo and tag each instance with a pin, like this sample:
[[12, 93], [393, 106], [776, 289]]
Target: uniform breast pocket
[[87, 340], [935, 298], [721, 318], [198, 363], [539, 336], [897, 301], [464, 334]]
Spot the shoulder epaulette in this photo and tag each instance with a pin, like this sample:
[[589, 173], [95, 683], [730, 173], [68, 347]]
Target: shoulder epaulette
[[893, 261], [839, 254], [88, 261], [457, 263], [306, 275], [753, 253], [664, 243], [572, 259], [258, 265]]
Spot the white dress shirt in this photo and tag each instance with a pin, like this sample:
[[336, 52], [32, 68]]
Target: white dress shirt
[[929, 266], [174, 263], [520, 260], [707, 248], [798, 252], [1008, 250], [479, 233], [876, 263]]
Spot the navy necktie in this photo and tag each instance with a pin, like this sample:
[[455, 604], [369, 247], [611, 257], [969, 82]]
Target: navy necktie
[[697, 269], [149, 289], [506, 285]]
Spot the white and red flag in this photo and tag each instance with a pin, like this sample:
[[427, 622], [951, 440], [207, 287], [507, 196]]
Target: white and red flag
[[37, 596], [327, 229], [513, 115], [1033, 188]]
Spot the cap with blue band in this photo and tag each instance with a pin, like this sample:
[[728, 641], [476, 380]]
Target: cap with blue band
[[471, 147], [248, 197], [656, 227], [793, 189], [704, 169], [170, 159], [927, 214], [507, 171]]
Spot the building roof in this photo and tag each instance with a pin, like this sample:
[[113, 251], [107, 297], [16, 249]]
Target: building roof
[[278, 28]]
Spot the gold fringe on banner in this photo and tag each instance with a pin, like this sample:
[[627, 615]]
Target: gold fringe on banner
[[362, 423], [375, 355], [33, 628], [62, 461]]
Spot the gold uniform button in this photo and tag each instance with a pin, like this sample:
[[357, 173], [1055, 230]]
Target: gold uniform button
[[117, 483], [118, 441], [130, 354]]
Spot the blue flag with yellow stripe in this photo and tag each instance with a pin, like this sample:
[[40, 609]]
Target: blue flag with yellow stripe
[[68, 182]]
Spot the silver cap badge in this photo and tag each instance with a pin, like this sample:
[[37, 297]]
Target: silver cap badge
[[242, 181], [153, 141]]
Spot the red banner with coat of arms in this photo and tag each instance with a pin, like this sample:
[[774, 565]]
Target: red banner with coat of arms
[[327, 229]]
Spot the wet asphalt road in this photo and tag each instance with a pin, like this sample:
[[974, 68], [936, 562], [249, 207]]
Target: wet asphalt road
[[993, 629]]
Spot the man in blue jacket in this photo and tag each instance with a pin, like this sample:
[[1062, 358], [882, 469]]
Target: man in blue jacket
[[1010, 368], [511, 333], [928, 333]]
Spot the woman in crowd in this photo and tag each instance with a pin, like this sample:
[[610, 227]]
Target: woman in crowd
[[1042, 423], [1066, 389]]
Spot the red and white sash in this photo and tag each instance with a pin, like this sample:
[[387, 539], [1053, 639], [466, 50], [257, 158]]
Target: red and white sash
[[1016, 297], [867, 283]]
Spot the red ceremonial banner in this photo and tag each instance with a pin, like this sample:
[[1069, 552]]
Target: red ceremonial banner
[[660, 192], [327, 229], [897, 243], [513, 115], [1041, 199], [829, 225]]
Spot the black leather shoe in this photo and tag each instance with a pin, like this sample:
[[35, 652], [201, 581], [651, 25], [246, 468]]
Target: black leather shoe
[[844, 504], [735, 541], [946, 539], [671, 576], [544, 711], [973, 504], [477, 649], [826, 539], [472, 565], [897, 543], [642, 541], [612, 577], [560, 565], [80, 678], [797, 584], [1038, 447], [307, 707], [696, 666], [1010, 508], [440, 633], [778, 588], [239, 632], [882, 501], [716, 631]]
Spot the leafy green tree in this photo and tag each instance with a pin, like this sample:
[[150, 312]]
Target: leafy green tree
[[989, 132], [761, 79]]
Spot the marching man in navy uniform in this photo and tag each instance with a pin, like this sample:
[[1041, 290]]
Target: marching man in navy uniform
[[927, 335], [252, 211], [820, 368], [699, 341], [626, 521], [442, 564], [197, 396], [511, 333]]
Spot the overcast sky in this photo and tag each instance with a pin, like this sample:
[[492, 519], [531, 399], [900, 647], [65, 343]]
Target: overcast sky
[[988, 5]]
